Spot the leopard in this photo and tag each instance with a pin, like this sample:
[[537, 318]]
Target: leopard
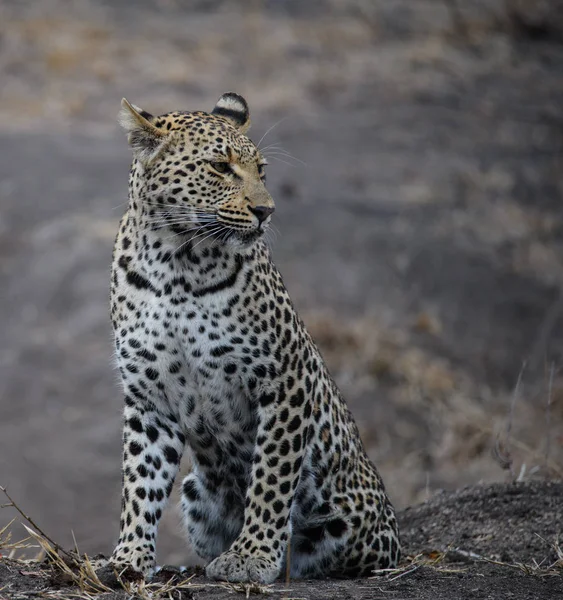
[[217, 366]]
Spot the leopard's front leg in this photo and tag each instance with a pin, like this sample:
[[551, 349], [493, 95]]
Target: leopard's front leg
[[258, 552], [152, 448]]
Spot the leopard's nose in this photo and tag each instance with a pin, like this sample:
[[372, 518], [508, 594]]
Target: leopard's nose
[[262, 212]]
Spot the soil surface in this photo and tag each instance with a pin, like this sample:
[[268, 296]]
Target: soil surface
[[487, 542], [422, 240]]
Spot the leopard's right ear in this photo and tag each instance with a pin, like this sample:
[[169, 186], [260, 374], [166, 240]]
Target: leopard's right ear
[[146, 140]]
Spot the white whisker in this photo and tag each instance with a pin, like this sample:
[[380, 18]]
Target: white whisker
[[273, 146], [268, 131], [171, 222], [214, 229], [211, 234], [283, 161], [286, 155], [225, 235], [157, 226], [191, 238], [185, 232]]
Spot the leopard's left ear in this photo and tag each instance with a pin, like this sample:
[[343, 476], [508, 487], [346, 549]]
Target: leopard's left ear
[[234, 108]]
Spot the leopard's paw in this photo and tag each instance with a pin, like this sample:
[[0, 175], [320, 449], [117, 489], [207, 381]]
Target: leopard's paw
[[236, 567], [125, 558]]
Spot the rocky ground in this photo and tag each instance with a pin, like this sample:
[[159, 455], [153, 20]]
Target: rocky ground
[[421, 239], [481, 542]]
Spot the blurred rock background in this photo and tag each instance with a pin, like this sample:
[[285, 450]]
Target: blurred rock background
[[419, 216]]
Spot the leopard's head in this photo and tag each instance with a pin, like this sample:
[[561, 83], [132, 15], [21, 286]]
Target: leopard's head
[[197, 173]]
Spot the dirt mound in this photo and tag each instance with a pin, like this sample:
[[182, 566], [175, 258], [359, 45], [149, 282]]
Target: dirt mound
[[497, 541], [511, 523]]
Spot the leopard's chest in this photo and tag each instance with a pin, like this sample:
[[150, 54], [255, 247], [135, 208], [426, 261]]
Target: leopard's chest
[[203, 350], [212, 382]]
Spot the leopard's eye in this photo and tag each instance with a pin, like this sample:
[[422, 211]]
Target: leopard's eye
[[221, 167], [262, 171]]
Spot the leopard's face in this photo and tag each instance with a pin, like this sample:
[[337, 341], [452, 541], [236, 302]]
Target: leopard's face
[[198, 175]]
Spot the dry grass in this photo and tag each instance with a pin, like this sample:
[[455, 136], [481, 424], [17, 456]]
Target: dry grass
[[432, 560], [444, 561], [80, 578], [249, 589], [540, 568], [11, 548], [78, 573]]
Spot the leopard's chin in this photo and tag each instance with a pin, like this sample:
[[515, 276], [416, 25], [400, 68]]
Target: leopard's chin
[[246, 238]]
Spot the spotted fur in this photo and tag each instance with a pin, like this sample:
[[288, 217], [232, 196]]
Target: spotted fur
[[215, 361]]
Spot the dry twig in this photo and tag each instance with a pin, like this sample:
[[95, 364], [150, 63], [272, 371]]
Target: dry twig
[[33, 524], [501, 449], [548, 416]]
